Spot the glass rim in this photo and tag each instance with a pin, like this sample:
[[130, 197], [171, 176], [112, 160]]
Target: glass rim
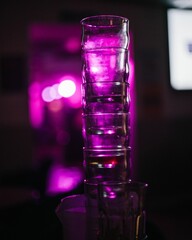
[[106, 49], [131, 183], [116, 83], [107, 150], [103, 114], [114, 21]]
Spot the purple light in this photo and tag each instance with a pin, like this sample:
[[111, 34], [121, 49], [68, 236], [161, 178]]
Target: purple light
[[35, 105], [54, 92], [109, 193], [112, 195], [62, 179], [46, 94], [67, 88], [72, 45]]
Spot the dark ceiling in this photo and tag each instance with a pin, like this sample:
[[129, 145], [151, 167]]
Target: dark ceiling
[[167, 3], [176, 3]]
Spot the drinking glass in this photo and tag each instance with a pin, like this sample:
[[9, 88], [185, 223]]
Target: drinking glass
[[105, 97], [121, 210]]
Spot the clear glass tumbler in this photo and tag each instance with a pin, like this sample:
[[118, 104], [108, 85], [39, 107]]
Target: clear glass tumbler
[[105, 97], [121, 211]]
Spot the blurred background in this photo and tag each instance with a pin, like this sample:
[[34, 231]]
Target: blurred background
[[40, 122]]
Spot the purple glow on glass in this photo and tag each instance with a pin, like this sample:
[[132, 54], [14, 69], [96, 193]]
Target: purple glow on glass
[[62, 179], [131, 74], [109, 193], [106, 64], [133, 110], [112, 62], [67, 88], [109, 164], [103, 41], [101, 64], [112, 195], [95, 69], [110, 131]]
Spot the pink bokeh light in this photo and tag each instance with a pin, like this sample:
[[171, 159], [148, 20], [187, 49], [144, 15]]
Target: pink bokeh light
[[62, 179], [67, 88], [35, 105]]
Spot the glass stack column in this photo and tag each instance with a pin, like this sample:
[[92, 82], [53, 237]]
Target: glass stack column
[[106, 98]]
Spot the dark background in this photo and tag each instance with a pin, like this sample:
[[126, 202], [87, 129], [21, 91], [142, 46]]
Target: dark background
[[163, 145]]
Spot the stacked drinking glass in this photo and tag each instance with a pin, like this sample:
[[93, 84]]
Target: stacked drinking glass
[[106, 98], [112, 206]]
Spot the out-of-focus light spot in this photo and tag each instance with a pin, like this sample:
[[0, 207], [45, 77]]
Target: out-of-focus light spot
[[62, 179], [47, 95], [67, 88], [54, 91]]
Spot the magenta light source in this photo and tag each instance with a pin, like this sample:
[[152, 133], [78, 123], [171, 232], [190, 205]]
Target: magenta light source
[[35, 105], [54, 95], [65, 88], [62, 179]]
